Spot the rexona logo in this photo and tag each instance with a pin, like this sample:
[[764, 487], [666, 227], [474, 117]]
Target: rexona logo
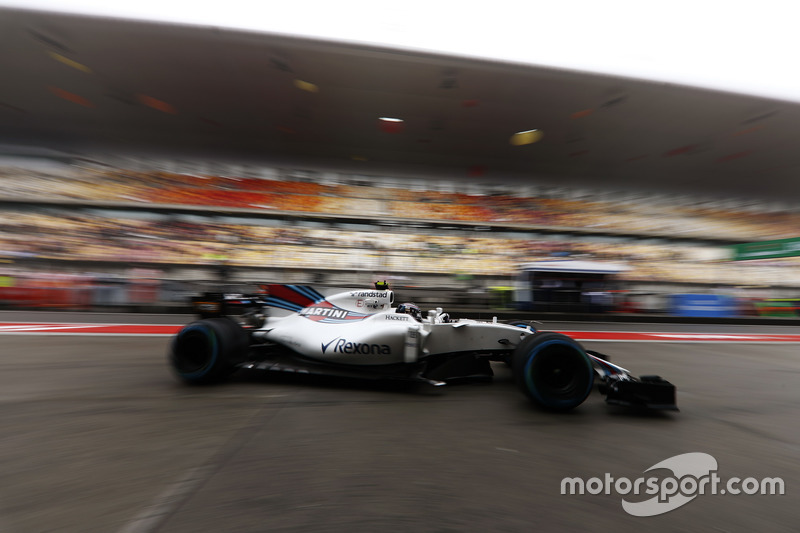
[[339, 345]]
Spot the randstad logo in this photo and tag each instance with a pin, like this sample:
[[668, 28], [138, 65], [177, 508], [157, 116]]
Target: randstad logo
[[693, 474]]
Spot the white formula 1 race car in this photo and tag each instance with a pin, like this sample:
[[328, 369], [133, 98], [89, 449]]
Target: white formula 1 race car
[[361, 333]]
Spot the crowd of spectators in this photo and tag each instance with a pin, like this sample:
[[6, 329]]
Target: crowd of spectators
[[644, 216], [74, 222], [62, 234]]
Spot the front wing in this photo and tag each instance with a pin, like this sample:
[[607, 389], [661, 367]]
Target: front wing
[[620, 388]]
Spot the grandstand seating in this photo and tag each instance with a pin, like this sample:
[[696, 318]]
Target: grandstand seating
[[77, 232]]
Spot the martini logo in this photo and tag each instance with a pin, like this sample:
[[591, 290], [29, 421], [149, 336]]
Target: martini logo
[[340, 345], [332, 312], [328, 313]]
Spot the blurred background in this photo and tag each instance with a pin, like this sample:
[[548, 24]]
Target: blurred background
[[579, 163], [144, 161]]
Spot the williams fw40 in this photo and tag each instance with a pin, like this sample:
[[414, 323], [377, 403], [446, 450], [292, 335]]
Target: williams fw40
[[363, 334]]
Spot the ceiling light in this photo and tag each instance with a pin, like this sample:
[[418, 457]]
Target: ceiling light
[[210, 122], [522, 138], [581, 114], [731, 157], [69, 62], [71, 97], [748, 130], [306, 86], [680, 150], [391, 124], [155, 103]]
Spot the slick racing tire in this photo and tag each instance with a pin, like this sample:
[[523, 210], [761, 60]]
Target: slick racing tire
[[553, 370], [207, 351]]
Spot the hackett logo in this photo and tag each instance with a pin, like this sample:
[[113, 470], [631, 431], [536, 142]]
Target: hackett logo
[[344, 346]]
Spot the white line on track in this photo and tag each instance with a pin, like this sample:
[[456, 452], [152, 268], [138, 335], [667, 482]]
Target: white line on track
[[88, 329], [82, 334], [168, 330], [44, 327], [154, 514]]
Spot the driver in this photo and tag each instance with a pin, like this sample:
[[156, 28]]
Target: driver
[[410, 309]]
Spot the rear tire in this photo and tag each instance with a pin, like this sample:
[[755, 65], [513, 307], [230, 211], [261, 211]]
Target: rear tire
[[207, 351], [553, 371]]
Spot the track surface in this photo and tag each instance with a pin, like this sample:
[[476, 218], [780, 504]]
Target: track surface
[[98, 436]]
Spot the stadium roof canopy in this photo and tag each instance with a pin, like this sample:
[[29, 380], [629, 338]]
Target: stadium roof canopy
[[79, 85]]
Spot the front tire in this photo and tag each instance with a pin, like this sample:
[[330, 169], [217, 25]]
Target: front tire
[[553, 370], [206, 351]]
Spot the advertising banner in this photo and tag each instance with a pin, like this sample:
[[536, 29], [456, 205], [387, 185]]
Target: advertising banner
[[703, 305], [766, 249]]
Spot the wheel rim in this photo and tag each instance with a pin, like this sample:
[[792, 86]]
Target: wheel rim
[[557, 372], [194, 351], [556, 375]]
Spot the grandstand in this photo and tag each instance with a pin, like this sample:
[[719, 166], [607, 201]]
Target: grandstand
[[290, 223]]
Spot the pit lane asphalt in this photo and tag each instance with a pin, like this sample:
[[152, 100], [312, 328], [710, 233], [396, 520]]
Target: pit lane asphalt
[[98, 436]]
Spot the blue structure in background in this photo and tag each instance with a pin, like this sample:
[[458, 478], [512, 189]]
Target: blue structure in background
[[703, 305]]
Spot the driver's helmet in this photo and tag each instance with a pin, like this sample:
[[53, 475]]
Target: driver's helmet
[[410, 309]]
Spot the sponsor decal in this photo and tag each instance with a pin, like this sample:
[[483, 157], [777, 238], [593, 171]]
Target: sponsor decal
[[328, 313], [340, 345], [390, 316], [326, 344], [333, 312], [370, 294], [369, 303]]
